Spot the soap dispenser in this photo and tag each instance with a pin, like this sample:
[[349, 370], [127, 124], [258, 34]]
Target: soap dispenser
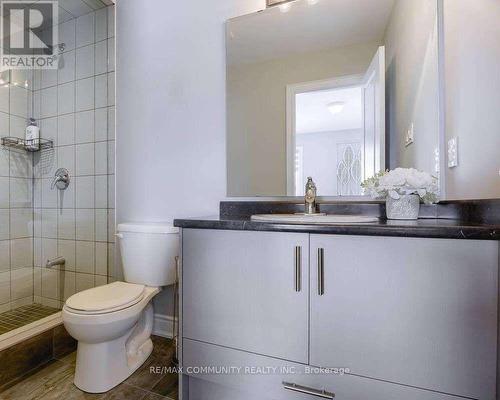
[[32, 135]]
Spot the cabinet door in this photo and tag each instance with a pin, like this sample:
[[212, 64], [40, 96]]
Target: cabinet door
[[247, 290], [420, 312]]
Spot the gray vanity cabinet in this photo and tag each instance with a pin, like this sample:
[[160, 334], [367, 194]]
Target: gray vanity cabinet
[[420, 312], [411, 318], [247, 291]]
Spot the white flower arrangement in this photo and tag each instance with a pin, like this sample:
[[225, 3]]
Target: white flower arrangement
[[403, 181]]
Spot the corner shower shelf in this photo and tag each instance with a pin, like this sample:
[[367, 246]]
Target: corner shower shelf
[[27, 145]]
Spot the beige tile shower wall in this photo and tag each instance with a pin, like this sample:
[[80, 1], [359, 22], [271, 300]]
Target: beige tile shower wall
[[76, 108], [16, 212]]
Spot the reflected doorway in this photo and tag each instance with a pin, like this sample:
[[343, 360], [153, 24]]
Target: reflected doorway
[[336, 131]]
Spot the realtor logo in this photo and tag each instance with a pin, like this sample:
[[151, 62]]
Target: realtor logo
[[29, 34]]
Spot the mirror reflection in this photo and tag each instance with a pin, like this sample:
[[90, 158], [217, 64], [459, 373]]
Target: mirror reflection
[[324, 89]]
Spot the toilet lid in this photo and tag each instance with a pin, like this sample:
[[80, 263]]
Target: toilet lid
[[115, 296]]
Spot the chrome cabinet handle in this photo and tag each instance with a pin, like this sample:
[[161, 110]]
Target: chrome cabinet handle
[[298, 268], [321, 272], [310, 391]]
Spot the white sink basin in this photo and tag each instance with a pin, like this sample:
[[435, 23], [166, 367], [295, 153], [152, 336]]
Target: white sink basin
[[314, 219]]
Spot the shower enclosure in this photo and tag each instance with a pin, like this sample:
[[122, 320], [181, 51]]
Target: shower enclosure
[[74, 108]]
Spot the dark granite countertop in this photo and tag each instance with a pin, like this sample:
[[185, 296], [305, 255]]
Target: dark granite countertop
[[426, 227], [465, 219]]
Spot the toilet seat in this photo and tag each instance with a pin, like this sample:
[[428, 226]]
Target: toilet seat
[[113, 297]]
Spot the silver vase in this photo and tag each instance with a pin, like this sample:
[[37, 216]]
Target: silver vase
[[406, 207]]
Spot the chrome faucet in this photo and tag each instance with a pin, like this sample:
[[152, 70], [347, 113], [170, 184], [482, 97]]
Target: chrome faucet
[[310, 197], [56, 261]]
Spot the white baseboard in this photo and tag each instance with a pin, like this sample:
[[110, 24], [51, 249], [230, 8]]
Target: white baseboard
[[163, 325]]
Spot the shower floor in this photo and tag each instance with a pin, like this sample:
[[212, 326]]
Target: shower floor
[[24, 315]]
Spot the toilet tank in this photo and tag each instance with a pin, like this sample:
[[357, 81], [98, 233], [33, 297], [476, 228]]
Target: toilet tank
[[148, 252]]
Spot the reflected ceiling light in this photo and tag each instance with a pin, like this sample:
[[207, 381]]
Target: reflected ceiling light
[[336, 107], [312, 2], [285, 7]]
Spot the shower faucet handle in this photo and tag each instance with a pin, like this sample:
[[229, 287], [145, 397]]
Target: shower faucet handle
[[61, 179]]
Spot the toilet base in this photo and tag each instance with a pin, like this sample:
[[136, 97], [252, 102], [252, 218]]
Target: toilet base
[[102, 366]]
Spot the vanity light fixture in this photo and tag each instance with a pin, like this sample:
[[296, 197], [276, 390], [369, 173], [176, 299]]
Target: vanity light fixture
[[335, 107]]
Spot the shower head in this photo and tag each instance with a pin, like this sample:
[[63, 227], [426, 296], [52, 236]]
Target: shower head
[[58, 56], [60, 48]]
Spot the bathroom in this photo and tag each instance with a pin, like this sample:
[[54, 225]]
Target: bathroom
[[224, 147]]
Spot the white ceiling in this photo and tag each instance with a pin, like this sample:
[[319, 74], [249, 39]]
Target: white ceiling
[[312, 114], [271, 34]]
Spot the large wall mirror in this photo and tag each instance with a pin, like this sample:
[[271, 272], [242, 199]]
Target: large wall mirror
[[333, 89], [341, 89]]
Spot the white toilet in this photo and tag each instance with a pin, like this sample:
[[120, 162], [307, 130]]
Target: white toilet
[[113, 323]]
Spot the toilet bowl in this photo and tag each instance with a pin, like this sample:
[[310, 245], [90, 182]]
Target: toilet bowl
[[113, 323]]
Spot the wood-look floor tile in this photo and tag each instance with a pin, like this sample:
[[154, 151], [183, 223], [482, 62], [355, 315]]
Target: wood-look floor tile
[[159, 383], [56, 381], [153, 396], [143, 378], [167, 386], [174, 394], [163, 348], [76, 394], [68, 359], [32, 382], [125, 392], [55, 384]]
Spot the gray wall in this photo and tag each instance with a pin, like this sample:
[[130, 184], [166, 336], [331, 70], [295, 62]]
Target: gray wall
[[412, 83], [472, 79], [170, 150], [171, 95]]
